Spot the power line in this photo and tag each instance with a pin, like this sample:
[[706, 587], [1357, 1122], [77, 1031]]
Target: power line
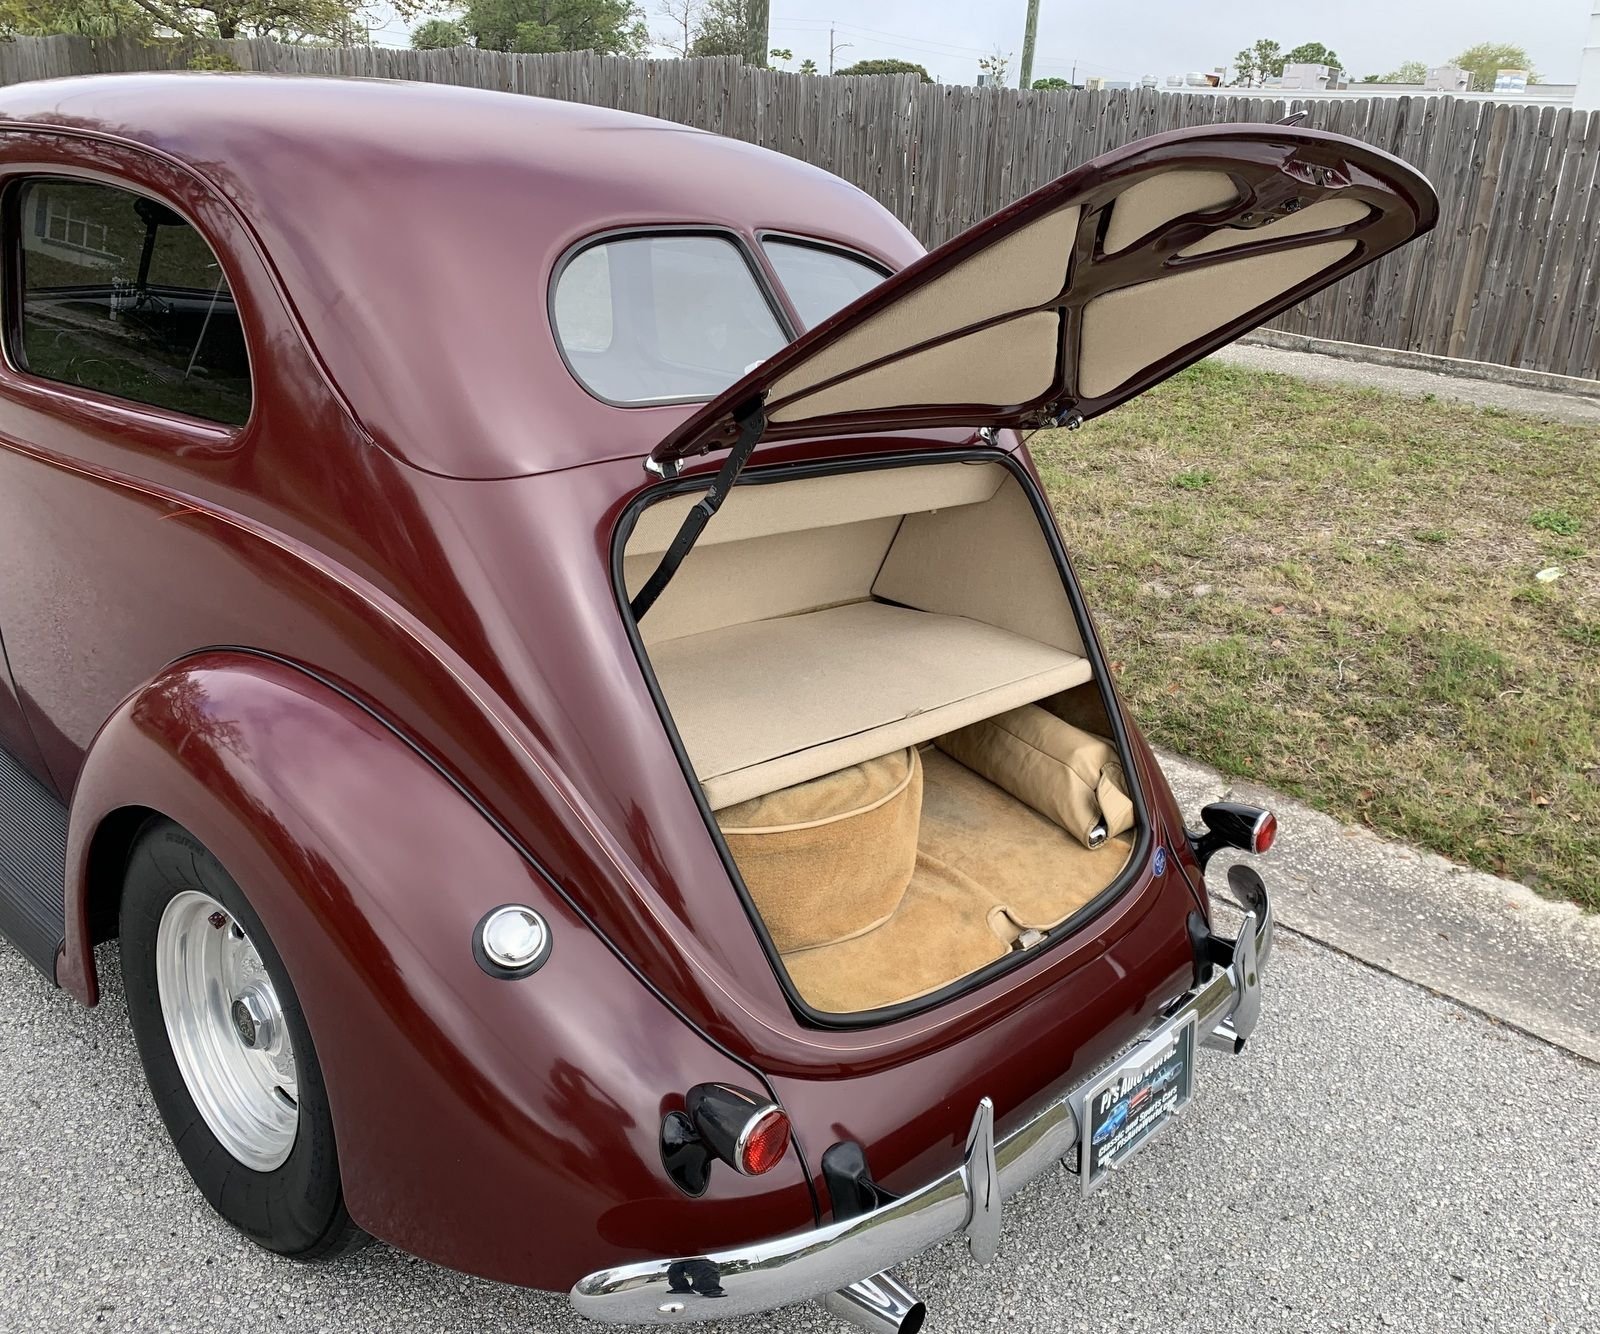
[[932, 46]]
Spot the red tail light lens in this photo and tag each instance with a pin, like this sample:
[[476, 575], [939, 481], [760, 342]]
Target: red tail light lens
[[1266, 831], [763, 1142]]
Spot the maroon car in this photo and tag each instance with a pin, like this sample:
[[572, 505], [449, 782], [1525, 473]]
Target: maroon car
[[535, 630]]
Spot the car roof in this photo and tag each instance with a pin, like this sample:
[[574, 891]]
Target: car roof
[[414, 228]]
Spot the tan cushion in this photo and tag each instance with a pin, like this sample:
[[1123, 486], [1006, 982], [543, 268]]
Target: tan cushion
[[1066, 774], [831, 858]]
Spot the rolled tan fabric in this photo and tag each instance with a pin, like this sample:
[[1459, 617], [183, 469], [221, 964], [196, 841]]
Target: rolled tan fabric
[[830, 859], [1066, 774]]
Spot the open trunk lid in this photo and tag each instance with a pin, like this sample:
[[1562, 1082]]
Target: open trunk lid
[[1084, 293]]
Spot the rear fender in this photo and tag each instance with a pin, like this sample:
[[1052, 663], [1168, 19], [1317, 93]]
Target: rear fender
[[507, 1128]]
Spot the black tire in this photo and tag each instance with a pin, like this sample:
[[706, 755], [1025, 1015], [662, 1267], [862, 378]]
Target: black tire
[[296, 1209]]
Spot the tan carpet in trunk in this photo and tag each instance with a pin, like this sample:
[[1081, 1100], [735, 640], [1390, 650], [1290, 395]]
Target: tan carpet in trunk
[[987, 867]]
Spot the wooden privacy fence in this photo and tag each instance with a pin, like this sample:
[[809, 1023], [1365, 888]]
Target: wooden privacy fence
[[1510, 274]]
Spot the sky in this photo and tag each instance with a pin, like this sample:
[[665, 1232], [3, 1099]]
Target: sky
[[1159, 37]]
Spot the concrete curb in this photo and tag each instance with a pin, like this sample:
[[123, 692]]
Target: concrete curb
[[1488, 371], [1490, 944]]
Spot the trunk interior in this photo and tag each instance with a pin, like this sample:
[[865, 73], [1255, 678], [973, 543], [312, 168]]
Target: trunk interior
[[882, 689]]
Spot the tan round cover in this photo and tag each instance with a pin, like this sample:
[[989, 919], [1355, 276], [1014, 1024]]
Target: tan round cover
[[831, 858]]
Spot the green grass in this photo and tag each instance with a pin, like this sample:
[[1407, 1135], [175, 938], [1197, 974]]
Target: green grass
[[1558, 522], [1345, 606]]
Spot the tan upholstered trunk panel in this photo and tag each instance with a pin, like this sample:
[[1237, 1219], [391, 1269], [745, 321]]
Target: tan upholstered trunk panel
[[1129, 329], [1023, 271], [988, 562], [1330, 213], [765, 705], [1151, 203], [759, 578], [819, 502], [1001, 366]]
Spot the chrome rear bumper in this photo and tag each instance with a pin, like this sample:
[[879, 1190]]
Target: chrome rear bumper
[[967, 1200]]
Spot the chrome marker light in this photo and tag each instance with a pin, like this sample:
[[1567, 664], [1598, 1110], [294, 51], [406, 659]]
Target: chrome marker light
[[512, 940]]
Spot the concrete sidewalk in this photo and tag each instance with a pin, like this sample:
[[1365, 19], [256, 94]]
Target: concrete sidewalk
[[1488, 943], [1411, 383]]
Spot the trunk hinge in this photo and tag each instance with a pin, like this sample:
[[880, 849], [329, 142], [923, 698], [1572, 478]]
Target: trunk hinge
[[752, 420]]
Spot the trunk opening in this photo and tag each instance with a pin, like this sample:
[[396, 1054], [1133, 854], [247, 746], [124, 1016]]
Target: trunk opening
[[879, 681]]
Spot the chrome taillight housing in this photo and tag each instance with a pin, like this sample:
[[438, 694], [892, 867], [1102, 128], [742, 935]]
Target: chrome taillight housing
[[745, 1130], [1233, 824]]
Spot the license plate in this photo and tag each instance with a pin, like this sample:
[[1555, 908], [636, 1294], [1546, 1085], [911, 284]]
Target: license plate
[[1134, 1099]]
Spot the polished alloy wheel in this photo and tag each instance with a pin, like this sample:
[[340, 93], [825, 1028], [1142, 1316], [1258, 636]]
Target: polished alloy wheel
[[227, 1030]]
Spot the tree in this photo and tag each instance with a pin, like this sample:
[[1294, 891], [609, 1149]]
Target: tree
[[808, 66], [721, 29], [684, 17], [1256, 64], [437, 34], [611, 27], [1045, 85], [1372, 78], [285, 20], [87, 18], [732, 28], [887, 67], [1486, 59], [781, 56], [1310, 53], [1411, 71], [995, 66]]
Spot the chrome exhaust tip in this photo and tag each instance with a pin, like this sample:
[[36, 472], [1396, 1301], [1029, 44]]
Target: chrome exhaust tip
[[882, 1304]]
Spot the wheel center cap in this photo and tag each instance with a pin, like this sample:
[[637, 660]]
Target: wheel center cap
[[254, 1013], [244, 1023]]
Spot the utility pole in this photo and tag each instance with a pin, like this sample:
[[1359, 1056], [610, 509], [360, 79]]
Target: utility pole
[[758, 14], [833, 47], [1025, 79], [1588, 92]]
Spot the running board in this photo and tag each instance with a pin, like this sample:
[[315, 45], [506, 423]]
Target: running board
[[33, 866]]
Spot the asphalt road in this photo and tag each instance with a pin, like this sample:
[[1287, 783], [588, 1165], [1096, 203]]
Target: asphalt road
[[1378, 1158]]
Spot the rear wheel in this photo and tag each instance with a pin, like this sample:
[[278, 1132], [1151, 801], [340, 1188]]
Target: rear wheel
[[226, 1050]]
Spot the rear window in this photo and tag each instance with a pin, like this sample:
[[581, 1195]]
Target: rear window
[[819, 281], [120, 295], [651, 319]]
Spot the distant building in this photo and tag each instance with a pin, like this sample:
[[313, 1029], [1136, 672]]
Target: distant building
[[1307, 78], [1586, 97], [1447, 79], [1511, 81]]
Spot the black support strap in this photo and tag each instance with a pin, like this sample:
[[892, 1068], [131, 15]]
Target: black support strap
[[752, 421]]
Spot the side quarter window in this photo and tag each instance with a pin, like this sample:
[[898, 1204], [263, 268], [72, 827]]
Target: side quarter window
[[119, 294]]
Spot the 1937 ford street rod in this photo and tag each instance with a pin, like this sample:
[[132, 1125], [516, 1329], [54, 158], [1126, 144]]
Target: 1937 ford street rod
[[535, 628]]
